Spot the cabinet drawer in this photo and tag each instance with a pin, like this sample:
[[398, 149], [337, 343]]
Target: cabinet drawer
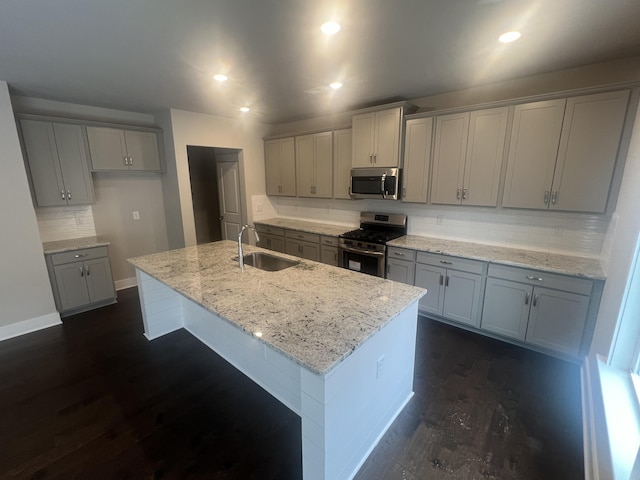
[[455, 263], [401, 253], [327, 240], [304, 236], [268, 229], [79, 255], [543, 279]]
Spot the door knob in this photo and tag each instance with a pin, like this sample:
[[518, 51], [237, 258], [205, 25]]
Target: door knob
[[221, 218]]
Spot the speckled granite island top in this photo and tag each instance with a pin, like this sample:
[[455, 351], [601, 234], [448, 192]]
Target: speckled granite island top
[[73, 244], [313, 313], [549, 262], [309, 227]]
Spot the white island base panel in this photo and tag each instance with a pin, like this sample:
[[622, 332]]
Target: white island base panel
[[344, 412]]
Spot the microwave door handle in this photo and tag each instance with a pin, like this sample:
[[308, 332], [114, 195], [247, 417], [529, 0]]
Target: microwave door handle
[[382, 179]]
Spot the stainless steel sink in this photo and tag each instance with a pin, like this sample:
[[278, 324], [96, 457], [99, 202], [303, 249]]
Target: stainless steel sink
[[268, 262]]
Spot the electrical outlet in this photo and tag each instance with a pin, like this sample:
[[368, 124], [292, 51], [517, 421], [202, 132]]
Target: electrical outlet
[[136, 215], [439, 219], [380, 367]]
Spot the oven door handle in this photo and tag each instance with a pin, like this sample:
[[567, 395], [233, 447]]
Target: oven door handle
[[364, 252]]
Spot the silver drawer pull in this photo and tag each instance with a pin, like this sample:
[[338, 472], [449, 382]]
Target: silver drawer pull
[[400, 254], [537, 279], [445, 262], [80, 255]]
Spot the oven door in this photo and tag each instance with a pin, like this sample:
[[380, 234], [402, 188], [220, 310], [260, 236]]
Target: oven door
[[364, 261]]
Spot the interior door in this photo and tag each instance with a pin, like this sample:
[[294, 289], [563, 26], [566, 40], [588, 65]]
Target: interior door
[[230, 203]]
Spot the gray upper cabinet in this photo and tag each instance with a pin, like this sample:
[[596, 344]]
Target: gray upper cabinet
[[563, 152], [113, 149], [57, 161], [417, 160], [280, 166], [376, 138], [342, 146], [467, 158], [314, 165]]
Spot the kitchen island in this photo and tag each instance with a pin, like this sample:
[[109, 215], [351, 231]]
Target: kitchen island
[[337, 347]]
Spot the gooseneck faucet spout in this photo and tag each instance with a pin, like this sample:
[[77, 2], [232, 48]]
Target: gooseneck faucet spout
[[240, 254]]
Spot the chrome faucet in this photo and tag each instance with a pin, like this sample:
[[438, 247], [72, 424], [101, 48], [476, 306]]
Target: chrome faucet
[[240, 254]]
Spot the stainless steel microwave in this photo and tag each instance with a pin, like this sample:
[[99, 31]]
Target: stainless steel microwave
[[375, 183]]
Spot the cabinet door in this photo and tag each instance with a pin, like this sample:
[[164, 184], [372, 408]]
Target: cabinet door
[[73, 163], [362, 140], [485, 149], [449, 153], [506, 308], [310, 251], [386, 138], [417, 160], [431, 278], [277, 244], [293, 247], [557, 320], [533, 150], [44, 166], [462, 297], [272, 166], [400, 271], [588, 148], [99, 280], [142, 149], [72, 286], [323, 165], [329, 255], [305, 160], [108, 148], [342, 147], [287, 167]]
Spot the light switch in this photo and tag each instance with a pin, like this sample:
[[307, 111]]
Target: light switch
[[136, 215]]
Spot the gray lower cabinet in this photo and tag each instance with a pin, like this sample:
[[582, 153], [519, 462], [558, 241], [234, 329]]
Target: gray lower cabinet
[[319, 248], [542, 309], [401, 265], [56, 157], [302, 248], [271, 237], [81, 279], [329, 250], [454, 287]]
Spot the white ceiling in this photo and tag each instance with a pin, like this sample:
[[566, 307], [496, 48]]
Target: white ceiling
[[149, 55]]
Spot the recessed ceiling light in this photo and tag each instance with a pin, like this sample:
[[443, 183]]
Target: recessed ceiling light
[[335, 85], [220, 77], [245, 109], [509, 37], [330, 28]]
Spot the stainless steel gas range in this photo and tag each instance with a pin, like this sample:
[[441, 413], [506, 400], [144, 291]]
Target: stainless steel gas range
[[364, 250]]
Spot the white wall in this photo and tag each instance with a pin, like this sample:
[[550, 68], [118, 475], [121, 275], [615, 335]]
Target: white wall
[[198, 129], [623, 238], [25, 292]]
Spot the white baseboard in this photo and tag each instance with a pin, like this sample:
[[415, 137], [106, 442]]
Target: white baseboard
[[29, 325], [126, 283]]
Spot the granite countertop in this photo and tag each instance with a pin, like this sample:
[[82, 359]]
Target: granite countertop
[[304, 226], [549, 262], [313, 313], [73, 244]]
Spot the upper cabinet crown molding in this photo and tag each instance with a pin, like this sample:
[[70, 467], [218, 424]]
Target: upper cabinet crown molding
[[56, 158]]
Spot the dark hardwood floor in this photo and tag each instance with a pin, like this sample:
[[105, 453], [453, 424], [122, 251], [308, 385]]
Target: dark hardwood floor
[[93, 399]]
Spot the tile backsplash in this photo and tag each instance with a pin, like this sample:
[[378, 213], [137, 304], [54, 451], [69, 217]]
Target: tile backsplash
[[61, 223], [574, 234]]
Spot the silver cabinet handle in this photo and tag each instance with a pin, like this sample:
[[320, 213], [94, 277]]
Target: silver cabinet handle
[[62, 193], [86, 269], [526, 298], [404, 191], [554, 197], [131, 161], [537, 279], [371, 158], [82, 271], [125, 161], [464, 193], [535, 300], [458, 191], [445, 262], [441, 279], [68, 194], [446, 281], [80, 255], [335, 257], [400, 254], [375, 158], [546, 197]]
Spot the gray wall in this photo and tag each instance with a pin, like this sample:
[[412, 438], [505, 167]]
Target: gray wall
[[25, 292]]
